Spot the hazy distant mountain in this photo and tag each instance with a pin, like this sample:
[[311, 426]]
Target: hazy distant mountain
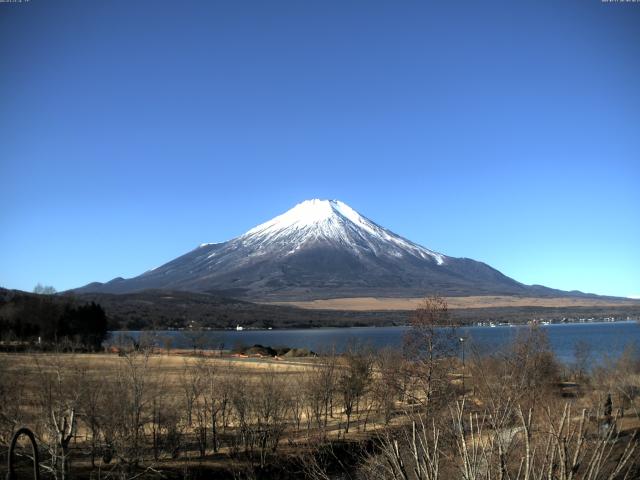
[[322, 249]]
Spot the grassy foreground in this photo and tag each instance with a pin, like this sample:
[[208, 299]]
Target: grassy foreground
[[416, 414]]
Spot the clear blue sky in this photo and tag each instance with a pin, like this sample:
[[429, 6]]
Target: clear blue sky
[[507, 132]]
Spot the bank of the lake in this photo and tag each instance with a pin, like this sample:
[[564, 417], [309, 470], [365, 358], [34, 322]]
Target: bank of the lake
[[604, 338]]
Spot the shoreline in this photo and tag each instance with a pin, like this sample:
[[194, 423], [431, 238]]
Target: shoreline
[[483, 324]]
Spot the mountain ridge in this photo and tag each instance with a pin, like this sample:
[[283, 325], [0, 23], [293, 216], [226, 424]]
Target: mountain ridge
[[322, 249]]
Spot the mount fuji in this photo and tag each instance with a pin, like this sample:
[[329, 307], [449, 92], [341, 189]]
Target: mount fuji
[[321, 249]]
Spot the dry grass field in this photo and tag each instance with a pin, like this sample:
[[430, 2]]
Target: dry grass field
[[159, 363], [382, 304], [158, 414]]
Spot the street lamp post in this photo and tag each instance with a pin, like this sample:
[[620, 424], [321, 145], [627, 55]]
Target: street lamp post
[[462, 339]]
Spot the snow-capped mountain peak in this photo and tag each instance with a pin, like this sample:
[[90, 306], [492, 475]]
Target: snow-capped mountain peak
[[332, 221], [319, 249], [305, 214]]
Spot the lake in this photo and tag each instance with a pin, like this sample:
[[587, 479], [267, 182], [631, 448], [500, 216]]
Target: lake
[[605, 338]]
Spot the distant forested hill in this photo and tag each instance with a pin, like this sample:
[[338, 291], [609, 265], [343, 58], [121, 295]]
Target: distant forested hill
[[51, 319], [27, 315]]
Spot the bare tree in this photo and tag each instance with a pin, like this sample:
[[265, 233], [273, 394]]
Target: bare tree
[[582, 353], [191, 383], [210, 400], [621, 376], [295, 391], [165, 420], [61, 382], [533, 366], [353, 380], [272, 407], [242, 410], [389, 382], [128, 410], [320, 390], [558, 446], [430, 344], [195, 336], [91, 412], [44, 289], [413, 453]]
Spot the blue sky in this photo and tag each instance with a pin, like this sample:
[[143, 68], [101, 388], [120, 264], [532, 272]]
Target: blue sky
[[507, 132]]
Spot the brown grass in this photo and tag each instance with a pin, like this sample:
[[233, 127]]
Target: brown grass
[[377, 304], [160, 363]]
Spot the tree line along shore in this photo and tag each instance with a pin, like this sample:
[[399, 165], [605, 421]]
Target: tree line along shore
[[48, 318]]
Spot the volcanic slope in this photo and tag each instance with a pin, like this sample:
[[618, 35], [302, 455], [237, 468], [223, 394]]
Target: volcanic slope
[[322, 249]]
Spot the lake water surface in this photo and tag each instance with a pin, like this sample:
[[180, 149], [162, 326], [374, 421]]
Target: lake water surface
[[605, 338]]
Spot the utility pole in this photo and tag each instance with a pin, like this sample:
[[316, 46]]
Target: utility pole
[[462, 339]]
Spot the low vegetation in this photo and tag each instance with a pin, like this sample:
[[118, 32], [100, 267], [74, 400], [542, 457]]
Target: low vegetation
[[416, 413]]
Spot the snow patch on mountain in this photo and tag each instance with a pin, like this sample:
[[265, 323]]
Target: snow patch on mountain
[[331, 221], [208, 244]]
